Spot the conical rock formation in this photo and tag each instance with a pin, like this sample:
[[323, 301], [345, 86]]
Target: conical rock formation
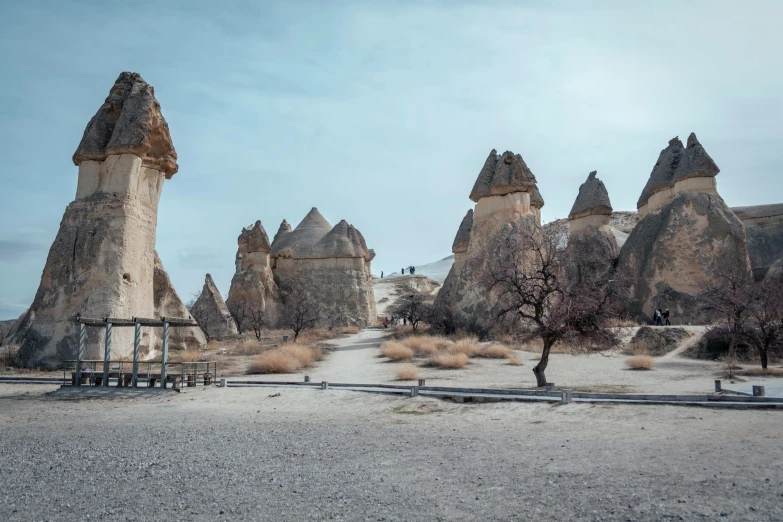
[[212, 314], [446, 294], [168, 304], [253, 288]]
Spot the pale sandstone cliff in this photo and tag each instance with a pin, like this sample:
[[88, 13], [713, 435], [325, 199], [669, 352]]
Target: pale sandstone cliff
[[764, 229]]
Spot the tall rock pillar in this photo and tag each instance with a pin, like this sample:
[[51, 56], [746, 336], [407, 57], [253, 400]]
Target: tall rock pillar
[[102, 262]]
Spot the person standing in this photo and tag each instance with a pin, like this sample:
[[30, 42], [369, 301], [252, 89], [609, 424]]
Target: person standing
[[403, 271], [666, 318], [381, 274]]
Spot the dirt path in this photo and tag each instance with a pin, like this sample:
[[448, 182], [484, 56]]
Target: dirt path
[[354, 360], [696, 334]]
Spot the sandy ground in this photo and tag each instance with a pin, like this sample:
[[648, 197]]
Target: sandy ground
[[357, 360], [239, 454]]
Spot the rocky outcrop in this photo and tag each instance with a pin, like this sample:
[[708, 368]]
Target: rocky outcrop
[[212, 314], [592, 245], [764, 229], [446, 295], [168, 304], [102, 262], [331, 263], [253, 287], [508, 204], [775, 272], [685, 228]]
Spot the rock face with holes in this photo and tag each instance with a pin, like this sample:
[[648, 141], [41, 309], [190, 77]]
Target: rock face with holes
[[212, 314], [102, 262], [253, 288], [684, 229], [330, 263], [508, 204], [592, 245]]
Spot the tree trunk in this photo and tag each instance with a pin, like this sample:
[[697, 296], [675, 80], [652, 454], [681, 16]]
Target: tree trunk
[[763, 354], [539, 369]]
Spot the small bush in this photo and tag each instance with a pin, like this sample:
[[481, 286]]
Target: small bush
[[213, 345], [286, 359], [407, 373], [495, 351], [758, 371], [8, 354], [640, 362], [396, 351], [190, 355], [513, 361], [449, 360]]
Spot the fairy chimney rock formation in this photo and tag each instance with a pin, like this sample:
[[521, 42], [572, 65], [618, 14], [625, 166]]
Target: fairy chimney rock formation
[[253, 287], [508, 203], [285, 228], [331, 263], [592, 207], [102, 262], [764, 229], [505, 183], [684, 230], [168, 304], [211, 312]]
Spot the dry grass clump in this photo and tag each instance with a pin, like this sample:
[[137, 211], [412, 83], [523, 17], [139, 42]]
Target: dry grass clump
[[448, 360], [396, 351], [513, 361], [190, 356], [468, 346], [422, 345], [288, 358], [213, 345], [248, 347], [758, 371], [8, 354], [640, 362], [407, 373], [495, 351], [349, 330]]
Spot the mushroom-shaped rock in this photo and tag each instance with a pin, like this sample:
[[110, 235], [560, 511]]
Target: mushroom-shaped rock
[[306, 234], [536, 200], [502, 175], [462, 239], [695, 162], [592, 199], [129, 122], [662, 174]]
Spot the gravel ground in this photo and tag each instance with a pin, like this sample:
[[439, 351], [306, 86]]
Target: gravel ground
[[231, 454]]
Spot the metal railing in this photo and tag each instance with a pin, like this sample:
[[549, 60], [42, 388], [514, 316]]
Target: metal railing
[[96, 372]]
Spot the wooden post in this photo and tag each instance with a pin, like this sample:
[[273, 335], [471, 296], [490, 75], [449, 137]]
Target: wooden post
[[307, 378], [107, 356], [718, 385], [136, 343], [324, 385], [550, 386], [80, 354], [421, 382], [165, 357], [414, 391], [758, 391], [565, 397]]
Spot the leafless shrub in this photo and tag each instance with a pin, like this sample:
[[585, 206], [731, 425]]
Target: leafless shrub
[[288, 358]]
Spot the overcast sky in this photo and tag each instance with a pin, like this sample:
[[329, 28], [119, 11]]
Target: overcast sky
[[381, 113]]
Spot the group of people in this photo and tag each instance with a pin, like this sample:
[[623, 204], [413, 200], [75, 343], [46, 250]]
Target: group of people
[[391, 321], [661, 317], [411, 271]]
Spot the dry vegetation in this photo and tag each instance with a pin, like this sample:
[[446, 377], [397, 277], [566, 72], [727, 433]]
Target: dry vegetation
[[758, 371], [396, 351], [287, 358], [8, 354], [448, 360], [407, 373], [640, 362]]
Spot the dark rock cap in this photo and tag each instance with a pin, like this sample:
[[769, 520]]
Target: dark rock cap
[[129, 122], [592, 195], [254, 239], [343, 240], [462, 238], [695, 163], [663, 172], [502, 175]]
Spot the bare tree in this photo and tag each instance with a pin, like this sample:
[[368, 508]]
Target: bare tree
[[534, 297], [300, 311], [2, 334], [239, 310], [411, 307], [202, 321], [751, 311], [258, 320]]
